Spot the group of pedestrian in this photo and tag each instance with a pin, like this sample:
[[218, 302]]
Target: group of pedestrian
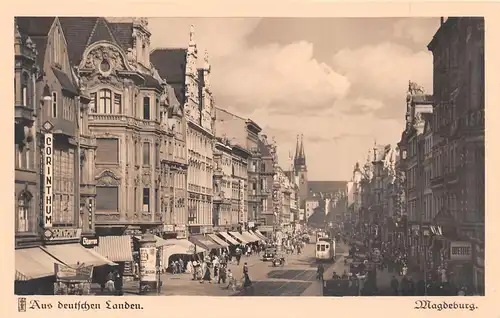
[[113, 283]]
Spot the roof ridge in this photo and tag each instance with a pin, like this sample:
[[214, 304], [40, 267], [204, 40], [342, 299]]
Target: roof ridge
[[167, 48]]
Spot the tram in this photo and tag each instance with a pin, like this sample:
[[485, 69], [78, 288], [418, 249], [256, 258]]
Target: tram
[[325, 249]]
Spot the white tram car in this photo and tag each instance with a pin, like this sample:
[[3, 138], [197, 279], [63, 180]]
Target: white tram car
[[325, 249]]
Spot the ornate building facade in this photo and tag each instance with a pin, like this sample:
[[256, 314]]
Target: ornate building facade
[[26, 105], [411, 146], [458, 167], [191, 87], [223, 218], [124, 117]]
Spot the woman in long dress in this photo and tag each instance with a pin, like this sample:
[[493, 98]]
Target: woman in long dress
[[206, 275]]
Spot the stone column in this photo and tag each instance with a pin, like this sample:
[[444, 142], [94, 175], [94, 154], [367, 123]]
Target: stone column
[[149, 265]]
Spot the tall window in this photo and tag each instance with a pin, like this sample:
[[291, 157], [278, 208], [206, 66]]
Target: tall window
[[107, 150], [146, 153], [117, 101], [64, 186], [157, 155], [24, 90], [136, 152], [92, 104], [146, 112], [24, 211], [56, 46], [107, 198], [145, 200], [105, 106], [54, 105]]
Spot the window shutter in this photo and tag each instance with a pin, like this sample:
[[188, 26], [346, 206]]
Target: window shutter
[[107, 150]]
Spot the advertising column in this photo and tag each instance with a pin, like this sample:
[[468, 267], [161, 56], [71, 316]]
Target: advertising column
[[148, 265]]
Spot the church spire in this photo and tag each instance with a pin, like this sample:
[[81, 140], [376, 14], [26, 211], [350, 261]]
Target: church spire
[[302, 152], [297, 149]]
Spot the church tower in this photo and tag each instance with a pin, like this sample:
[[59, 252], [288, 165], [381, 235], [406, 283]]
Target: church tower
[[300, 168]]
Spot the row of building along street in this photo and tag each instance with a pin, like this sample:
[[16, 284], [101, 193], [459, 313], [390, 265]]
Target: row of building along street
[[422, 201], [123, 159]]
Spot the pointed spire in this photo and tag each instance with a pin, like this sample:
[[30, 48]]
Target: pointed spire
[[297, 148], [302, 152], [191, 36]]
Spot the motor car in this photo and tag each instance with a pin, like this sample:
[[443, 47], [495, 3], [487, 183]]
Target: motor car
[[269, 254]]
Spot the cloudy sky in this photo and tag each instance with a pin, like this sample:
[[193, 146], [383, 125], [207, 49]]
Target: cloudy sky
[[341, 82]]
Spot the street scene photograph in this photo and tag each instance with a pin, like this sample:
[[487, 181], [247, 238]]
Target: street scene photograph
[[327, 157]]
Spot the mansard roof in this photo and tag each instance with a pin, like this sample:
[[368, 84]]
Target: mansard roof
[[171, 65]]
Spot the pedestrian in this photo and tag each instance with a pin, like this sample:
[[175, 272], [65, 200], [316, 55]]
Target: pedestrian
[[231, 282], [320, 272], [118, 283], [395, 286], [181, 265], [216, 266], [238, 256], [247, 282], [222, 274], [206, 273], [189, 267], [110, 283], [195, 269]]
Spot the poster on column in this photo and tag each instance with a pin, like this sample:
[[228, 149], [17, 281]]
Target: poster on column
[[148, 264]]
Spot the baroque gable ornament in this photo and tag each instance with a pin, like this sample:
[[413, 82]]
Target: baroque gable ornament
[[105, 58]]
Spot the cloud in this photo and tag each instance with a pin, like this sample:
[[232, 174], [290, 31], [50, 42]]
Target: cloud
[[419, 31], [381, 73], [342, 99], [286, 79]]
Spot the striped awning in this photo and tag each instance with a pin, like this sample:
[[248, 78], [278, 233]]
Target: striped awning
[[115, 248], [228, 238], [183, 246], [260, 236], [239, 237], [33, 263], [218, 240], [249, 237], [75, 254], [203, 241]]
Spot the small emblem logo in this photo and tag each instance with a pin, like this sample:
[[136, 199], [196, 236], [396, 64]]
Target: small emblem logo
[[21, 304]]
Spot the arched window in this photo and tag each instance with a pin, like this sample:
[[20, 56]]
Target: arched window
[[24, 90], [23, 212], [105, 106]]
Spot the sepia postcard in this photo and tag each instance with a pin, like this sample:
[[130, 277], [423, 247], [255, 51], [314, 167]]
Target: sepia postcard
[[339, 156]]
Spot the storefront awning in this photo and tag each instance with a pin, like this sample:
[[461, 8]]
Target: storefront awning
[[159, 241], [115, 248], [228, 238], [239, 237], [260, 236], [182, 246], [249, 237], [75, 254], [33, 263], [203, 241], [218, 240]]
